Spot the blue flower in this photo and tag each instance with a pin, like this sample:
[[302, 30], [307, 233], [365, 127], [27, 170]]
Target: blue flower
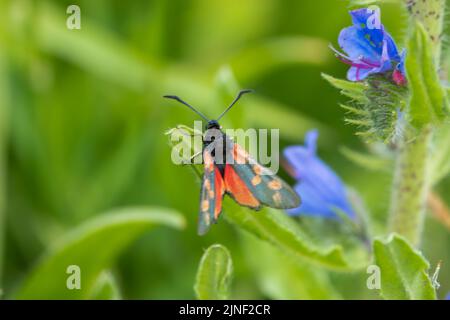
[[448, 296], [369, 48], [322, 191]]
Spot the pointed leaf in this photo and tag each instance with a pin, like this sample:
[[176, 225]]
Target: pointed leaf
[[403, 270], [353, 90], [440, 162], [367, 161], [92, 247], [428, 102]]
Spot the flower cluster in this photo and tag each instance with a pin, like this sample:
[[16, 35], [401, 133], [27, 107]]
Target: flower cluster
[[370, 49]]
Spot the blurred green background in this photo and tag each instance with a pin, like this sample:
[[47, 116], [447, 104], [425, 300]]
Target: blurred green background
[[82, 126]]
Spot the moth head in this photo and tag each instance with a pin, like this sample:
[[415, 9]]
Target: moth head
[[213, 124]]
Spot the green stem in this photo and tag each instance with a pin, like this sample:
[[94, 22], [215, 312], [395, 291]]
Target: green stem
[[411, 179], [431, 14], [411, 186]]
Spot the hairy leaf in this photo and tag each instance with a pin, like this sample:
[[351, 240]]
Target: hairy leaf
[[353, 90], [214, 274], [440, 161], [403, 270], [428, 102], [374, 107], [281, 231]]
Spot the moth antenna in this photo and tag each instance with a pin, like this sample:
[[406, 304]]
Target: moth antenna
[[240, 94], [187, 105]]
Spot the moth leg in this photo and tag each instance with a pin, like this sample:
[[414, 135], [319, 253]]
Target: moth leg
[[185, 133], [191, 159], [191, 163]]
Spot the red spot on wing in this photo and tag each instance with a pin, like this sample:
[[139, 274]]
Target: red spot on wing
[[237, 188], [219, 186]]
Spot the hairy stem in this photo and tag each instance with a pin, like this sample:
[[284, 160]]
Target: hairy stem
[[411, 187], [411, 179], [431, 14]]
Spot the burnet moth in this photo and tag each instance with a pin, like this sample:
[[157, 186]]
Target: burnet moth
[[229, 169]]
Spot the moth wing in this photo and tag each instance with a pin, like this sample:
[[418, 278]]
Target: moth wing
[[212, 192], [261, 182], [236, 187]]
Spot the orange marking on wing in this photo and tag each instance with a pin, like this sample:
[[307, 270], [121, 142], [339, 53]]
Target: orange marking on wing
[[238, 189], [207, 184], [256, 180], [206, 217], [205, 205], [208, 160], [257, 169], [240, 155], [275, 185], [219, 186], [277, 198]]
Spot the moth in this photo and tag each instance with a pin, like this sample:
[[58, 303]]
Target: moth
[[229, 169]]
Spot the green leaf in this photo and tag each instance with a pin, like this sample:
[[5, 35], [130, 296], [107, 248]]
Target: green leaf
[[283, 232], [440, 161], [360, 3], [373, 107], [367, 161], [403, 270], [105, 288], [94, 49], [92, 247], [429, 14], [109, 179], [273, 53], [281, 277], [353, 90], [428, 102], [5, 102], [227, 87], [214, 274], [183, 140]]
